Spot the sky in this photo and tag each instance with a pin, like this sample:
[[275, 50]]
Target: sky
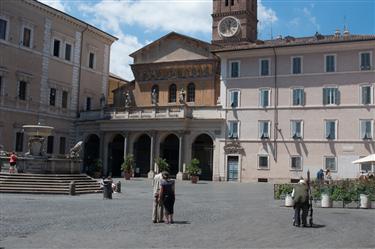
[[139, 22]]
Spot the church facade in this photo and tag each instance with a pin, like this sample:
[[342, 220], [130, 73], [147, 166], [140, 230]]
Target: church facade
[[169, 111], [291, 104]]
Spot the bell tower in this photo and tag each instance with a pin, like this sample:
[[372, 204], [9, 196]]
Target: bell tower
[[234, 21]]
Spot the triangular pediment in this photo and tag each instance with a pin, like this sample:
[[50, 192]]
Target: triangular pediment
[[172, 47]]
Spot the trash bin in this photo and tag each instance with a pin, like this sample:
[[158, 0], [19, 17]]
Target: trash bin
[[107, 189]]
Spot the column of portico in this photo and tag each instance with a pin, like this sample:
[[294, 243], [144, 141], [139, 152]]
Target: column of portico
[[151, 173], [125, 135], [180, 175], [104, 140]]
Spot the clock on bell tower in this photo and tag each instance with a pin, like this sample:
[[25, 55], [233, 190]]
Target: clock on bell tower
[[234, 21]]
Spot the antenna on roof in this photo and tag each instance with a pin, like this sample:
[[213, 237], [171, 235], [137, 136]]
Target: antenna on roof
[[271, 31]]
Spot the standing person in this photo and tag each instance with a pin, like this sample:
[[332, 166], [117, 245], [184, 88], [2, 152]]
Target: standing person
[[320, 176], [328, 176], [12, 163], [167, 196], [157, 207], [301, 203]]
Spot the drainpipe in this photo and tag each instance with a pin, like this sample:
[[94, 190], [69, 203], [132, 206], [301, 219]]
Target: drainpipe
[[276, 101], [80, 70]]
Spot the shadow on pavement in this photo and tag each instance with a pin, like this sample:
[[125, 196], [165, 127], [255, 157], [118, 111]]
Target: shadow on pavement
[[181, 222]]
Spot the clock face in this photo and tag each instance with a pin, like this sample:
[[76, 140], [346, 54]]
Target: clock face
[[228, 26]]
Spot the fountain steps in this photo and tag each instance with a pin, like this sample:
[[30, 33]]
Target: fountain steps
[[47, 184]]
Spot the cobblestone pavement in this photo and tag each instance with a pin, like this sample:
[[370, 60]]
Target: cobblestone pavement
[[207, 215]]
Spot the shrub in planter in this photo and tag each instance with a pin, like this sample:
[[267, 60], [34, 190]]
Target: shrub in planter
[[96, 168], [162, 164], [127, 166], [281, 190], [193, 170]]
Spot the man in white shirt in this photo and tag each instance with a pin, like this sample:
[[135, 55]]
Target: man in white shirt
[[157, 208]]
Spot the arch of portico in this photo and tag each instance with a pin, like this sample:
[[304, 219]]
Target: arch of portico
[[116, 154], [91, 150]]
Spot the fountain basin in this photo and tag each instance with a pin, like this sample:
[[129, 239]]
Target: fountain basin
[[45, 165]]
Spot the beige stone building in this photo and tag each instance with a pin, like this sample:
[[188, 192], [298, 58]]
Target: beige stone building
[[292, 104], [52, 66], [170, 111]]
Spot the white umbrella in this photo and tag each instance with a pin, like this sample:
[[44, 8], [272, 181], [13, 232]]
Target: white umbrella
[[368, 159]]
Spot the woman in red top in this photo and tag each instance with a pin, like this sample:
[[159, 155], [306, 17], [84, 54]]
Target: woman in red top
[[12, 162]]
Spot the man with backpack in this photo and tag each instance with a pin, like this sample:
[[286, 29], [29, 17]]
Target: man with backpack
[[300, 196]]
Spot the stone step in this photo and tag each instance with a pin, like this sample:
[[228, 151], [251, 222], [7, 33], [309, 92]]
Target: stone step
[[48, 184], [47, 180], [20, 185], [43, 175]]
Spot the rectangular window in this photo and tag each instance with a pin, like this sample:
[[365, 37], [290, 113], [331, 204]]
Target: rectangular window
[[26, 42], [296, 163], [331, 96], [263, 161], [3, 29], [297, 65], [234, 99], [330, 129], [264, 67], [56, 48], [365, 61], [91, 60], [68, 51], [62, 145], [22, 90], [264, 129], [366, 129], [330, 163], [366, 94], [64, 100], [19, 142], [49, 144], [330, 62], [298, 97], [296, 129], [52, 97], [264, 98], [234, 69], [88, 104], [233, 129]]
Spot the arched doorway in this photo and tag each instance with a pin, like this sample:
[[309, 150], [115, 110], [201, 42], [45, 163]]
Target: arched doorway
[[91, 152], [169, 150], [142, 149], [202, 149], [116, 155]]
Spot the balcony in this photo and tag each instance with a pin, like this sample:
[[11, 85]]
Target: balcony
[[165, 112]]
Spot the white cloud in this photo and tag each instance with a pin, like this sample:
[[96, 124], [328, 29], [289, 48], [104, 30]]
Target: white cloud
[[119, 55], [185, 16], [168, 15], [266, 16], [57, 4], [311, 18]]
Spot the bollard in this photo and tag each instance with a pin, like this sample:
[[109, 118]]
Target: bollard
[[107, 189], [118, 187], [72, 188]]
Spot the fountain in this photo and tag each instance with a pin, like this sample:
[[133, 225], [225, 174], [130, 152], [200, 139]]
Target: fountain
[[37, 161]]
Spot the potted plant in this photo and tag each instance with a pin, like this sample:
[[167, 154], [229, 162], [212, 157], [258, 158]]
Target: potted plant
[[97, 168], [127, 166], [193, 170], [162, 164]]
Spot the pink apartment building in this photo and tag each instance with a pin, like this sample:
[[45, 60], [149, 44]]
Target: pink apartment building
[[292, 104]]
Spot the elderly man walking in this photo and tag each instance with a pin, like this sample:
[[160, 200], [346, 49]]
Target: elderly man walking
[[300, 195], [157, 208]]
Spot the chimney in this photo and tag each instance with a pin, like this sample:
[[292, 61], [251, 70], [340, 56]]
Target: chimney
[[337, 33], [346, 32]]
